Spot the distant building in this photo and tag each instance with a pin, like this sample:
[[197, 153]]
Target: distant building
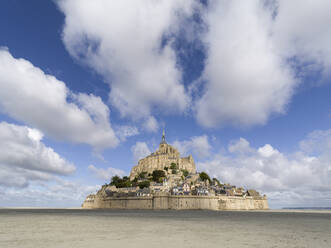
[[186, 189], [252, 192], [165, 156], [144, 192], [202, 190], [175, 187]]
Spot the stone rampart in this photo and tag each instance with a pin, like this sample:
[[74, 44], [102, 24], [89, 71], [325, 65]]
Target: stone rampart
[[179, 203]]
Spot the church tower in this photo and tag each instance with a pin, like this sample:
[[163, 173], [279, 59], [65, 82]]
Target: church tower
[[163, 141], [165, 156]]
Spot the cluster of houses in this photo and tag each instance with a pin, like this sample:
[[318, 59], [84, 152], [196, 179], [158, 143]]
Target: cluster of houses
[[204, 189], [192, 185]]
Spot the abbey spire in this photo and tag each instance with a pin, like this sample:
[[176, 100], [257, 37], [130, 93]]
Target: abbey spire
[[163, 138]]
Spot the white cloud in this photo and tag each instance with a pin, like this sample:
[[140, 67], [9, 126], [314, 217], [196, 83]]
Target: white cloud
[[106, 174], [317, 142], [40, 100], [267, 151], [198, 145], [302, 30], [59, 193], [151, 124], [123, 132], [249, 75], [24, 158], [240, 146], [140, 150], [247, 79], [123, 41], [258, 51], [305, 175]]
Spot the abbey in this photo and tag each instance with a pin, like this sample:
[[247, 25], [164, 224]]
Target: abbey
[[164, 157]]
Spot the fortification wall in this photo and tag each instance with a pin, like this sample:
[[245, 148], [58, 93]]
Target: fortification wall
[[240, 203], [179, 203]]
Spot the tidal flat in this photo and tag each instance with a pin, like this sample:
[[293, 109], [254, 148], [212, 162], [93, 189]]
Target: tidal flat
[[50, 228]]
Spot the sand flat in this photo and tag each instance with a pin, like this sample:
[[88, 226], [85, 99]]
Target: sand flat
[[137, 228]]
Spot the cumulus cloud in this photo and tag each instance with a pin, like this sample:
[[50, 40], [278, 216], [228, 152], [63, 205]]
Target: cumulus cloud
[[151, 124], [24, 158], [130, 44], [249, 74], [40, 100], [258, 52], [240, 146], [123, 132], [301, 31], [140, 150], [106, 174], [198, 145], [246, 77], [59, 193], [303, 175]]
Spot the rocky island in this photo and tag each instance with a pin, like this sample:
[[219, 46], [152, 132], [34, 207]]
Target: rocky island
[[165, 180]]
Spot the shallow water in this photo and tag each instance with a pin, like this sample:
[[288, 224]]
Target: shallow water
[[137, 228]]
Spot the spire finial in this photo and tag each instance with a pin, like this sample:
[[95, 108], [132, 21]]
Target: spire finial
[[163, 136]]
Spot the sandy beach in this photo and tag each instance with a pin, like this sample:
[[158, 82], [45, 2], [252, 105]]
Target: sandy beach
[[117, 228]]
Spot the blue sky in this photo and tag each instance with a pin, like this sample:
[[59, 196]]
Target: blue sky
[[245, 88]]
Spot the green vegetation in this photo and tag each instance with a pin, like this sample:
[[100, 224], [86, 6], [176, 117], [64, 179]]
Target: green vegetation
[[204, 176], [166, 168], [115, 180], [134, 182], [119, 182], [158, 175], [216, 181], [142, 175], [173, 166], [185, 173], [144, 184]]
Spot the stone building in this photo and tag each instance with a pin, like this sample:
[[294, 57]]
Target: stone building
[[163, 157]]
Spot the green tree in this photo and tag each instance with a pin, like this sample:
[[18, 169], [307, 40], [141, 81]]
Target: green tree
[[204, 176], [216, 181], [120, 182], [134, 182], [173, 166], [144, 184], [157, 174], [174, 171], [115, 180], [185, 173], [125, 183], [142, 175]]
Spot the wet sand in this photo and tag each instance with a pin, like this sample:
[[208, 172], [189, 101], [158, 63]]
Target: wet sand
[[136, 228]]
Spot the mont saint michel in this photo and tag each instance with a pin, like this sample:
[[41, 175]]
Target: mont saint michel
[[165, 180]]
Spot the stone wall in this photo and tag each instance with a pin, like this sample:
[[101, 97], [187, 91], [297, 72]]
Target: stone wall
[[179, 203]]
